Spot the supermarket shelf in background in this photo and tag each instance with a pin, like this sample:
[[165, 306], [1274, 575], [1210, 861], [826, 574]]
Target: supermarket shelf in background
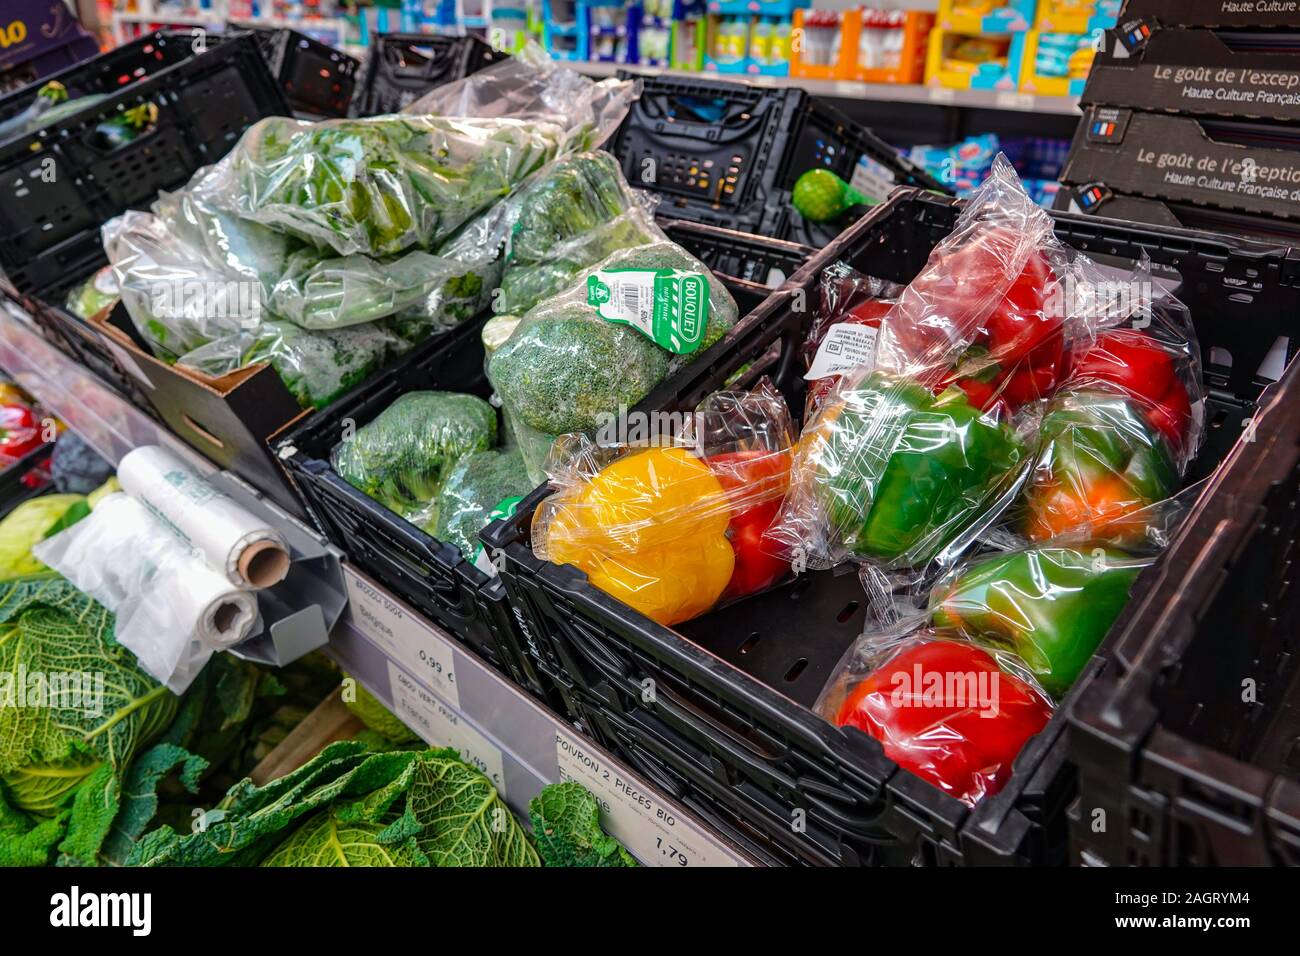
[[449, 696], [1012, 100]]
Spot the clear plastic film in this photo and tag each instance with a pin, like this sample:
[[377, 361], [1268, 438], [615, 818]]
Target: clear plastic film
[[574, 214], [479, 484], [1049, 606], [381, 185], [674, 528], [566, 367], [943, 709], [96, 294], [1117, 436], [531, 86], [918, 450], [402, 458]]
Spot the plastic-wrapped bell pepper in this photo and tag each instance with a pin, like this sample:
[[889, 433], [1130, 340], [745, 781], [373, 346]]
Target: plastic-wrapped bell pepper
[[1099, 465], [1138, 365], [650, 529], [755, 482], [1051, 606], [902, 472], [944, 710], [20, 432]]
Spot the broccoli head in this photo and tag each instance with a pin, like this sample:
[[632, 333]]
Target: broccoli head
[[477, 484], [402, 458]]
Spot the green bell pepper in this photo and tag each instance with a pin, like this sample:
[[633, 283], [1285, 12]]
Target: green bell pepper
[[1051, 606], [903, 473], [1099, 462]]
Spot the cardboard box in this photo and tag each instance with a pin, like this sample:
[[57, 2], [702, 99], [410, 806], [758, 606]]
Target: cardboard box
[[1193, 72], [1043, 85], [911, 61], [229, 419], [1011, 16], [1185, 160], [989, 76], [1215, 13]]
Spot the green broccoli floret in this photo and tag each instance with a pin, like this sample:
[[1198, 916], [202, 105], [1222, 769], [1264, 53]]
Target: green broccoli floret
[[476, 486], [560, 372], [319, 366], [564, 366], [402, 458], [566, 826]]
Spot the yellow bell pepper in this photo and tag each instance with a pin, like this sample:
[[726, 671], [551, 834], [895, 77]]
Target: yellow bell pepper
[[650, 530]]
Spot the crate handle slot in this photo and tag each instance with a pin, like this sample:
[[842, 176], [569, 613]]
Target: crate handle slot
[[682, 705], [202, 432]]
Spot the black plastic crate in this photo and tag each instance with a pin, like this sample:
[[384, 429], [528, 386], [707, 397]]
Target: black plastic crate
[[120, 67], [402, 67], [728, 154], [26, 478], [429, 574], [1188, 746], [57, 186], [724, 699], [318, 80]]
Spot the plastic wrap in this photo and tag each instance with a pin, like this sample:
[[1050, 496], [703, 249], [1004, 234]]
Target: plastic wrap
[[173, 611], [1051, 606], [573, 215], [382, 185], [531, 86], [480, 485], [402, 457], [96, 294], [1116, 438], [565, 367], [673, 529], [942, 709], [919, 449]]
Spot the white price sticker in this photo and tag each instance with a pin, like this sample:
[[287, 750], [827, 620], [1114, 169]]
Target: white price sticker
[[403, 637], [941, 94], [652, 832], [440, 726], [846, 346]]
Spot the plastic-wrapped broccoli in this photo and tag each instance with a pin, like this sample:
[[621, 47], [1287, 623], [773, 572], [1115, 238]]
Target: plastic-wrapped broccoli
[[565, 365], [477, 486], [402, 458], [95, 294], [381, 185], [574, 215], [316, 367]]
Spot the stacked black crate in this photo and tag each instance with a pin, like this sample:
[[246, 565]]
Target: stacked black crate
[[1192, 118]]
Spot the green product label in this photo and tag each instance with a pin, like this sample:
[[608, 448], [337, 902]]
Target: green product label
[[505, 508], [669, 306]]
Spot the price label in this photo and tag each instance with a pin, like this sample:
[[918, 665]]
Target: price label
[[941, 94], [654, 833], [440, 726], [1011, 100], [403, 637]]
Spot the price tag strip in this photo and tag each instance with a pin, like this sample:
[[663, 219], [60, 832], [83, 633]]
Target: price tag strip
[[440, 726], [633, 814], [405, 638]]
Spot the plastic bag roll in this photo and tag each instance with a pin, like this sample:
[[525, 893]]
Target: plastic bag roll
[[234, 542], [173, 611]]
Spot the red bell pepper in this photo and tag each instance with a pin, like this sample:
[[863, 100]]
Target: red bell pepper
[[945, 711], [755, 482], [20, 432], [1138, 365]]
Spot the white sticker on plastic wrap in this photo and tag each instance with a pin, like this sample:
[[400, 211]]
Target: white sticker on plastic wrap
[[403, 637], [846, 346], [652, 832], [440, 726]]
